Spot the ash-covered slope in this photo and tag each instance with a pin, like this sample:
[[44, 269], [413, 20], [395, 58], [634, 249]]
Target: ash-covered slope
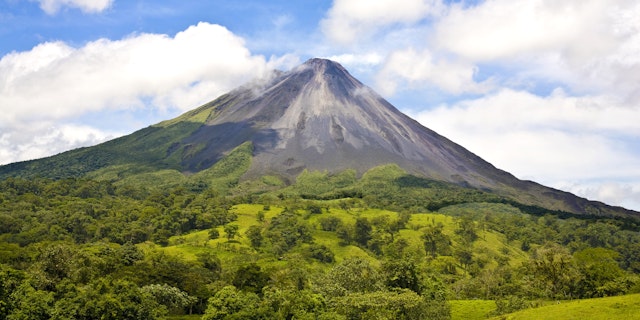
[[319, 117]]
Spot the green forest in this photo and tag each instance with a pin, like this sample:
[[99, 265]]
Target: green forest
[[384, 245]]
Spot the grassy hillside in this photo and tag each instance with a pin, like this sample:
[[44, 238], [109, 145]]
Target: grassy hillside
[[472, 309], [490, 244], [622, 307]]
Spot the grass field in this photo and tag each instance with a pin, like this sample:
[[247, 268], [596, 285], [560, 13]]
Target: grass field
[[623, 307], [471, 309]]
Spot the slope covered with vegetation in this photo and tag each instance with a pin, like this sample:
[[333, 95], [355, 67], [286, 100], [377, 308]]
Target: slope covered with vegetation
[[621, 307], [386, 245]]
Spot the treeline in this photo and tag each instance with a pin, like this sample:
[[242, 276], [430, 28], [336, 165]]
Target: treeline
[[83, 211]]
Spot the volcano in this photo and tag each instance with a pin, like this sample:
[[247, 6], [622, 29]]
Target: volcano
[[315, 117], [319, 117]]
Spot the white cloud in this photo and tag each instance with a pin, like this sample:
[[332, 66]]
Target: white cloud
[[55, 81], [43, 139], [368, 59], [620, 193], [555, 140], [423, 69], [498, 29], [90, 6], [348, 20], [589, 45]]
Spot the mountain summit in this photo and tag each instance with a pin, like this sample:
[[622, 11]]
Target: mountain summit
[[315, 117]]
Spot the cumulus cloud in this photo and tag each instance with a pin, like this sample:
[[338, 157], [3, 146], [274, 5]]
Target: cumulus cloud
[[499, 29], [589, 45], [619, 193], [552, 139], [41, 139], [56, 81], [348, 20], [411, 67], [90, 6]]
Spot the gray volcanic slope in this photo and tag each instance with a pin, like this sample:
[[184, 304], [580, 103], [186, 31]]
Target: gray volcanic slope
[[319, 117]]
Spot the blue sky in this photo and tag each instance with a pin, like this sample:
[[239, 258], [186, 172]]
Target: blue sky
[[549, 91]]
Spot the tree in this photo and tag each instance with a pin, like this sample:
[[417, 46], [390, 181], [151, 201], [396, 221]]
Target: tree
[[29, 303], [600, 269], [250, 278], [286, 230], [313, 208], [403, 274], [10, 280], [292, 304], [464, 255], [388, 226], [231, 303], [254, 234], [329, 223], [130, 254], [55, 263], [210, 262], [106, 299], [214, 234], [353, 275], [173, 298], [345, 234], [509, 305], [554, 271], [467, 229], [435, 241], [231, 230], [321, 253], [401, 304], [362, 231]]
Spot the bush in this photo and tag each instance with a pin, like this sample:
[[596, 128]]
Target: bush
[[321, 253], [329, 223]]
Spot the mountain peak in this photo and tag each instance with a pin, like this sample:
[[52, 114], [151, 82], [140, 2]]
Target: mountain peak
[[323, 65]]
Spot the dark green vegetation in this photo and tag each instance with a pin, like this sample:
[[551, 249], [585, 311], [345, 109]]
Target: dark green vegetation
[[386, 245]]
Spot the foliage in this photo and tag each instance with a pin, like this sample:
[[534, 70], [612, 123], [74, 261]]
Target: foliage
[[321, 253], [387, 305], [287, 230], [330, 246], [168, 296], [250, 278], [229, 302]]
